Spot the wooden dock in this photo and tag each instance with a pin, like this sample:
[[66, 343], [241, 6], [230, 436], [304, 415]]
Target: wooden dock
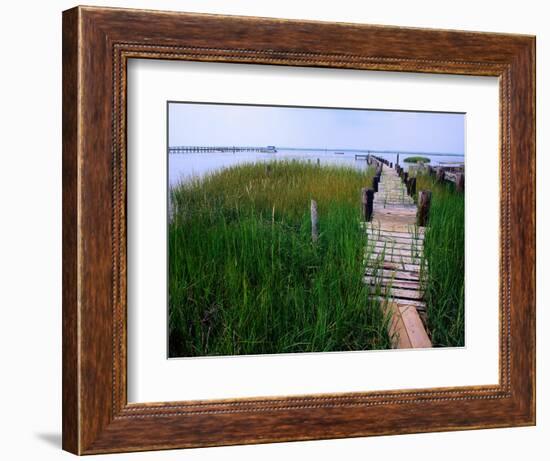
[[393, 260]]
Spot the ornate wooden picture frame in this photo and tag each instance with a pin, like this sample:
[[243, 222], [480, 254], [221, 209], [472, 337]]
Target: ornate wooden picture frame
[[97, 44]]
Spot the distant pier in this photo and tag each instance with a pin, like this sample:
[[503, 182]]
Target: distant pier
[[220, 149]]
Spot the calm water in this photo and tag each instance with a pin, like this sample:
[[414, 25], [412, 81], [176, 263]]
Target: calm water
[[182, 167]]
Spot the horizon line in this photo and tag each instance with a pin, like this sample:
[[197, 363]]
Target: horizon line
[[341, 149]]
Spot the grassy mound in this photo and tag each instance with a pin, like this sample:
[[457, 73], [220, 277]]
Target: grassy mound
[[417, 160]]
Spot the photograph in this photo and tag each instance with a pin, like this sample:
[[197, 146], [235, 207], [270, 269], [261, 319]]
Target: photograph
[[313, 229], [279, 225]]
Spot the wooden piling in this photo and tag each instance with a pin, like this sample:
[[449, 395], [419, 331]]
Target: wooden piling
[[405, 176], [375, 182], [440, 175], [314, 222], [424, 202], [370, 203], [411, 186], [397, 161], [460, 182], [367, 199]]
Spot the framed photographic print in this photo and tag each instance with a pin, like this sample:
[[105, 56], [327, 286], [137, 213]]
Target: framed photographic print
[[284, 230]]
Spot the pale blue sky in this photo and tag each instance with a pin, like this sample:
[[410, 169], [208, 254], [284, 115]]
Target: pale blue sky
[[194, 124]]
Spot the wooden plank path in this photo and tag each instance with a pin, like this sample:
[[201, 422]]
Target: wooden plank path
[[393, 261]]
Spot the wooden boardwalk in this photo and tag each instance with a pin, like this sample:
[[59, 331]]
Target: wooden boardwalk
[[393, 260]]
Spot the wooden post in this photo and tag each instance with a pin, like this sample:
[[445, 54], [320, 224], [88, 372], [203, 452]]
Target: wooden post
[[367, 198], [440, 175], [460, 182], [314, 222], [423, 213], [267, 169], [412, 186], [364, 200], [370, 201], [375, 182], [430, 170], [318, 162], [397, 161], [391, 165], [405, 176]]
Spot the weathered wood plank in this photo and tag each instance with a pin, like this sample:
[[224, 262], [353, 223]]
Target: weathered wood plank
[[413, 252], [396, 246], [397, 275], [399, 266], [393, 282], [396, 293], [393, 258], [397, 329], [393, 238], [401, 211], [419, 305], [406, 328], [373, 228], [374, 231], [403, 240], [372, 237], [414, 327]]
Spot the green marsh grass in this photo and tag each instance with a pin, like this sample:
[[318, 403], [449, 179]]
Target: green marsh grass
[[244, 275], [444, 253]]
